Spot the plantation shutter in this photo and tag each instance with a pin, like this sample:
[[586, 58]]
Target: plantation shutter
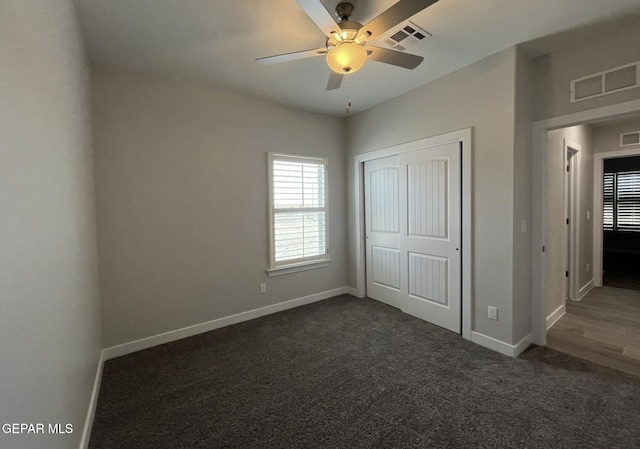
[[607, 200], [299, 214], [628, 200]]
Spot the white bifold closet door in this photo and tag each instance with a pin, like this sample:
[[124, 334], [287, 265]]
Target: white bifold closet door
[[413, 233]]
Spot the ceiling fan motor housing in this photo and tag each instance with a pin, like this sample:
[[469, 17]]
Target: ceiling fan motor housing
[[349, 33]]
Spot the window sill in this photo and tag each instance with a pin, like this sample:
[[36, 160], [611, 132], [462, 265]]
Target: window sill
[[288, 269]]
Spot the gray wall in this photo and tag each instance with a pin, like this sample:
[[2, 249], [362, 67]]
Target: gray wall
[[598, 51], [181, 180], [522, 196], [607, 137], [555, 241], [50, 319], [585, 213], [481, 96]]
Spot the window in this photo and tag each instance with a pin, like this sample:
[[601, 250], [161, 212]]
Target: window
[[621, 201], [298, 212], [628, 200]]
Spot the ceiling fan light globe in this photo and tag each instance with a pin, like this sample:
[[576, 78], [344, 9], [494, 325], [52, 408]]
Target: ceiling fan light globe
[[346, 58]]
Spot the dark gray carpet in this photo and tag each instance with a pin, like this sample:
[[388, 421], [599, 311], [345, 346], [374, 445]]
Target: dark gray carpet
[[353, 373]]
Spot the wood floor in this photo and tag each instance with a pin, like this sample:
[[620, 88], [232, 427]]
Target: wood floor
[[604, 327]]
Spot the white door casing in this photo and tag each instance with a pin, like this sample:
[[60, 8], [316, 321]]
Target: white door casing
[[413, 248], [571, 204]]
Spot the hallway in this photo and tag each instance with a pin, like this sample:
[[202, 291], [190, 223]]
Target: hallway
[[604, 327]]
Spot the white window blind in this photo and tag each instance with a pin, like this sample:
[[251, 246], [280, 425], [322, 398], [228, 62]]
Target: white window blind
[[621, 201], [628, 200], [298, 195], [607, 200]]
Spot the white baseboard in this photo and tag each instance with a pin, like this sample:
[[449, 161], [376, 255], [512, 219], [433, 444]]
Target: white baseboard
[[501, 346], [93, 402], [556, 315], [523, 344], [155, 340], [352, 291], [586, 288]]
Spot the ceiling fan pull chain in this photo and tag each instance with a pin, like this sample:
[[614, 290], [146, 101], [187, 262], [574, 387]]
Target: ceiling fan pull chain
[[348, 81]]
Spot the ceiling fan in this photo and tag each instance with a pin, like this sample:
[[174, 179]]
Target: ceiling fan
[[348, 43]]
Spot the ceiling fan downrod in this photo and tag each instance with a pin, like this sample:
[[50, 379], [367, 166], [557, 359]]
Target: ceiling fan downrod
[[343, 11]]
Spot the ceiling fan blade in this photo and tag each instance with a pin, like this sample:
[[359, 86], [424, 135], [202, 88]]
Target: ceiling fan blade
[[393, 57], [335, 80], [291, 56], [398, 13], [320, 16]]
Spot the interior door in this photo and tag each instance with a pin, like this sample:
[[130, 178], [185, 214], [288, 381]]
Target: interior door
[[413, 246], [382, 206]]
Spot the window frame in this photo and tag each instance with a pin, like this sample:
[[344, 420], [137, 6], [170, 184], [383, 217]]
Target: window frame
[[277, 268], [614, 202]]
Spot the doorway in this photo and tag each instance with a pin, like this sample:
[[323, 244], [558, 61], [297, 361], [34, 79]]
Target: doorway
[[616, 245], [597, 324], [540, 258]]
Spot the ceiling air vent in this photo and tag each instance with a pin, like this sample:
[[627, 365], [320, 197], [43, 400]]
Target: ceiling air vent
[[627, 139], [403, 36], [604, 83]]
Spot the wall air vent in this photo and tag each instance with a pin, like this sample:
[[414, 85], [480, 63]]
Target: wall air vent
[[587, 88], [403, 36], [628, 139], [604, 83]]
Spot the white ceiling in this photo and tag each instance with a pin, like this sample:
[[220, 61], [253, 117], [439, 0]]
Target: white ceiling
[[217, 42]]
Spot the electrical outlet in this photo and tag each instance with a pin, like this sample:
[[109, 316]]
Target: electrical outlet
[[523, 226], [493, 313], [588, 268], [588, 214], [263, 288]]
